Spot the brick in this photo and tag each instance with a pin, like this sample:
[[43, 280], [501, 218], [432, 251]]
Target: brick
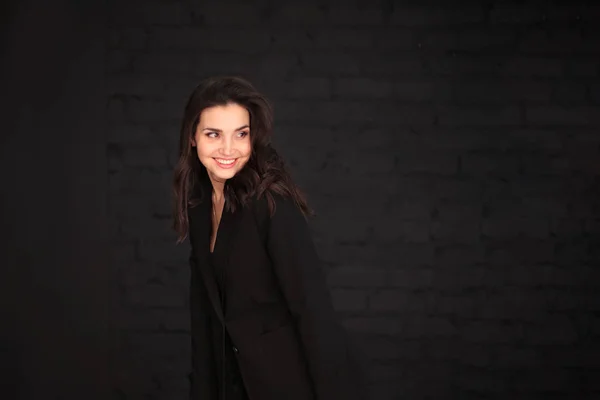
[[558, 41], [459, 254], [453, 231], [413, 254], [534, 66], [389, 64], [349, 299], [155, 320], [348, 15], [484, 381], [385, 373], [479, 116], [469, 39], [130, 134], [118, 61], [402, 301], [163, 251], [489, 164], [298, 13], [577, 68], [383, 326], [503, 92], [546, 380], [146, 273], [422, 15], [594, 93], [232, 13], [159, 346], [141, 156], [452, 277], [148, 110], [122, 251], [407, 209], [153, 296], [430, 327], [341, 38], [275, 66], [422, 91], [491, 333], [166, 13], [413, 278], [329, 62], [285, 38], [356, 277], [502, 227], [456, 189], [308, 88], [572, 93], [141, 182], [397, 39], [360, 88], [453, 306], [116, 109], [547, 140], [562, 116], [163, 63], [508, 356], [146, 227], [462, 64], [388, 349], [392, 230], [136, 85], [523, 250], [129, 38], [515, 14], [249, 41]]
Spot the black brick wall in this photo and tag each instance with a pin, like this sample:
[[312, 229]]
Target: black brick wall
[[451, 153]]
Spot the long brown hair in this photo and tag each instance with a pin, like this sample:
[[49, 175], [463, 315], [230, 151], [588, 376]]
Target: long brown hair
[[265, 172]]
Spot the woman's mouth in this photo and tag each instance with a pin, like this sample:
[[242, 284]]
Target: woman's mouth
[[226, 163]]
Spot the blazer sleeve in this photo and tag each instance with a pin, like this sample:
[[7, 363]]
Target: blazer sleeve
[[303, 284], [203, 375]]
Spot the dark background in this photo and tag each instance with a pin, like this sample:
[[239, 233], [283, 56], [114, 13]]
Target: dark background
[[450, 150]]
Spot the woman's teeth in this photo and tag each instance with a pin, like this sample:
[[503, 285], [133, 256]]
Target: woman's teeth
[[226, 162]]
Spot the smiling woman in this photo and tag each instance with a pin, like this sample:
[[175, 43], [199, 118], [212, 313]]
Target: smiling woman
[[262, 321], [222, 140]]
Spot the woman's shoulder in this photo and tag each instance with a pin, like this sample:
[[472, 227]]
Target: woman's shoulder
[[270, 202]]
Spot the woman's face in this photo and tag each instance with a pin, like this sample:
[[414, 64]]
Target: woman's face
[[222, 140]]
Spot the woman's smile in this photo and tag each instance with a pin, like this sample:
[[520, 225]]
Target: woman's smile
[[225, 163]]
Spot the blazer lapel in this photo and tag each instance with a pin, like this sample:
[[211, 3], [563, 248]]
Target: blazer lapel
[[200, 227], [225, 234]]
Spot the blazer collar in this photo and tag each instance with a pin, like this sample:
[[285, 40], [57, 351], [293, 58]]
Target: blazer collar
[[200, 229]]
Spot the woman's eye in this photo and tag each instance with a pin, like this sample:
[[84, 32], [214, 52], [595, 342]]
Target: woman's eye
[[243, 134], [211, 134]]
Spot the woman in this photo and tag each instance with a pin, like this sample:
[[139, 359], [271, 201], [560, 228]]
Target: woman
[[262, 323]]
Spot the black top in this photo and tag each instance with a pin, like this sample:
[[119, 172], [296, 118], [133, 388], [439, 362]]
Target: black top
[[233, 380], [218, 274]]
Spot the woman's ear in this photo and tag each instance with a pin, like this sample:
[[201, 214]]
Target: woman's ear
[[193, 141]]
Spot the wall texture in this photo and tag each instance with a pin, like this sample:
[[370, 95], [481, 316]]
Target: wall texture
[[54, 266], [451, 153]]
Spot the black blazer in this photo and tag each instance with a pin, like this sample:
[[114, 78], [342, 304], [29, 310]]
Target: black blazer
[[286, 336]]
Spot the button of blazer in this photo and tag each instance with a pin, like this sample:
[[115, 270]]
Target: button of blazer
[[235, 349]]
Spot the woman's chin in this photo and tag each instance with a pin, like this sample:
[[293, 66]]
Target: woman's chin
[[223, 175]]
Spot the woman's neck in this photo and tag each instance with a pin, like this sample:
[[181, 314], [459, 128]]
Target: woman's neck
[[218, 188]]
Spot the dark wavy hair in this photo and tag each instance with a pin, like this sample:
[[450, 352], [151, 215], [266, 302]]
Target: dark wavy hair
[[265, 172]]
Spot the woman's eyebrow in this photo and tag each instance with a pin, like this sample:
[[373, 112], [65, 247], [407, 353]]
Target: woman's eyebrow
[[219, 130]]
